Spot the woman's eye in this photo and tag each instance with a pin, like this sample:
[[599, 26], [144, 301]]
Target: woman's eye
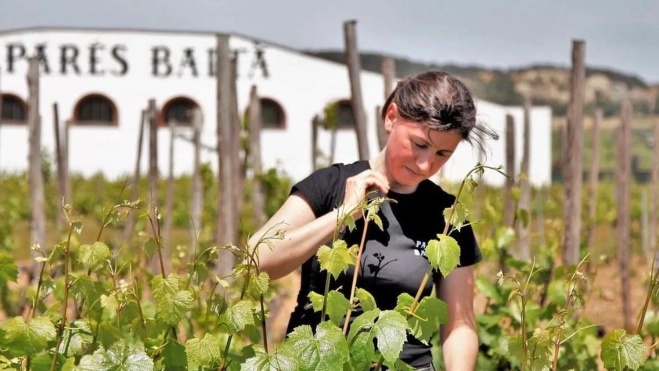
[[422, 146]]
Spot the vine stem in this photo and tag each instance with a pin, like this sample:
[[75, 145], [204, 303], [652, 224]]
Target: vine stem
[[653, 285], [67, 286], [355, 274]]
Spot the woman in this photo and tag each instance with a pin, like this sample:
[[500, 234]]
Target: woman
[[425, 117]]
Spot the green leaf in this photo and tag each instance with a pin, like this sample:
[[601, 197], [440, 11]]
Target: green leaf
[[337, 306], [327, 350], [23, 339], [366, 300], [202, 352], [429, 314], [91, 256], [258, 285], [459, 216], [161, 287], [350, 222], [282, 358], [620, 350], [376, 219], [360, 339], [8, 270], [150, 247], [338, 258], [443, 254], [172, 309], [390, 333], [119, 357], [238, 316], [488, 289], [109, 334], [174, 356]]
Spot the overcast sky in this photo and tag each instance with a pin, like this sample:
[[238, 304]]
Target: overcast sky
[[620, 35]]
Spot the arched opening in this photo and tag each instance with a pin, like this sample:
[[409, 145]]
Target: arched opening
[[14, 110], [95, 110], [179, 110], [345, 116], [272, 114]]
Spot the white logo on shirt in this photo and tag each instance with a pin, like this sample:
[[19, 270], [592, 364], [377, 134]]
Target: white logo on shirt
[[420, 248]]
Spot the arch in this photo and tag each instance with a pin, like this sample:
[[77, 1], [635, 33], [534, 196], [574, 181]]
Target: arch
[[273, 115], [345, 115], [178, 109], [95, 110], [14, 110]]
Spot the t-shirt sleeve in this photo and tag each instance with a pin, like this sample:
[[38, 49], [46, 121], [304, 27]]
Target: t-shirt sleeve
[[320, 189]]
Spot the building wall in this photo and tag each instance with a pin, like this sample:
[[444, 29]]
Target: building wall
[[124, 72]]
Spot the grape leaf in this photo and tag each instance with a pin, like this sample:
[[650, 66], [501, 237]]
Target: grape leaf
[[258, 285], [119, 357], [338, 258], [28, 339], [91, 256], [360, 338], [337, 305], [366, 300], [174, 356], [390, 333], [8, 270], [172, 309], [282, 358], [429, 314], [327, 350], [162, 287], [150, 247], [202, 352], [620, 350], [238, 316], [459, 216], [443, 254]]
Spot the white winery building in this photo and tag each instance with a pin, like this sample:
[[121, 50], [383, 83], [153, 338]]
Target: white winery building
[[102, 79]]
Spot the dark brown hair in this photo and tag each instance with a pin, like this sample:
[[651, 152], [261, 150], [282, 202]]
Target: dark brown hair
[[439, 101]]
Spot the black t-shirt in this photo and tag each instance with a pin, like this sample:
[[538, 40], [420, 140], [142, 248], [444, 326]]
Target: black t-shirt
[[393, 261]]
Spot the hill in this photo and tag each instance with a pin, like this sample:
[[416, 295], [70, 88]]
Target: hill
[[548, 83]]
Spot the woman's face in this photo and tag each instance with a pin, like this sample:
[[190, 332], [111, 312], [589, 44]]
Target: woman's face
[[414, 152]]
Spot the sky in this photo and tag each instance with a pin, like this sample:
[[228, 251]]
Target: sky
[[619, 35]]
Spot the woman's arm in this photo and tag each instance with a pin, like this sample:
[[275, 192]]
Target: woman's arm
[[459, 337]]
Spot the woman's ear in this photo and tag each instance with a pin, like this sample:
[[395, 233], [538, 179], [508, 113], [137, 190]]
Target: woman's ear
[[390, 118]]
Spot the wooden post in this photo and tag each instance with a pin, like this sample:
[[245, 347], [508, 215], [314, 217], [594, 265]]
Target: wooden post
[[573, 161], [389, 74], [135, 186], [169, 195], [623, 179], [354, 70], [315, 123], [197, 190], [153, 171], [645, 245], [594, 178], [61, 174], [382, 134], [236, 142], [37, 196], [226, 227], [509, 208], [654, 188], [258, 198], [523, 232]]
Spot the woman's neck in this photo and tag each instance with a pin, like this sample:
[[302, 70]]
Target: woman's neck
[[379, 164]]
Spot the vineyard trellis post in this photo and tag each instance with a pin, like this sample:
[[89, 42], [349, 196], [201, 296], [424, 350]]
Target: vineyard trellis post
[[37, 192], [197, 190], [226, 221], [389, 76], [153, 168], [169, 192], [61, 170], [135, 185], [594, 178], [623, 179], [354, 69], [236, 143], [523, 230], [654, 188], [509, 202], [315, 123], [573, 178], [258, 198]]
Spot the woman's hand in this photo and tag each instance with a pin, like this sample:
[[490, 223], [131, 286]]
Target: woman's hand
[[358, 185]]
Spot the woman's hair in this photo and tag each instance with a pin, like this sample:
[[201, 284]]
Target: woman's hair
[[439, 101]]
